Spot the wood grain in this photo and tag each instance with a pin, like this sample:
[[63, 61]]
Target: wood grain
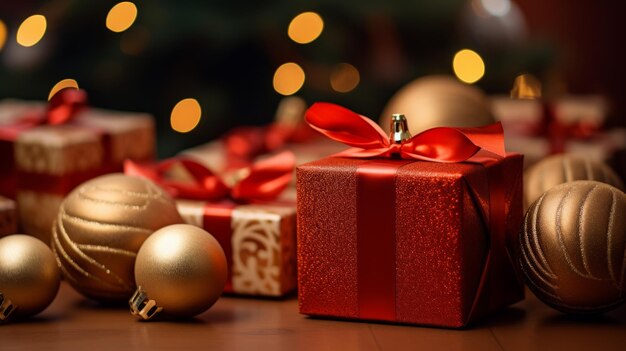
[[74, 323]]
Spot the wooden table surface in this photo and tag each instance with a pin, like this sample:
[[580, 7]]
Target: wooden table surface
[[74, 323]]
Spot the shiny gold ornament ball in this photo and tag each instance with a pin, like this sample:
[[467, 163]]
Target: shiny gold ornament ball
[[563, 168], [101, 226], [436, 101], [182, 268], [572, 247], [29, 276]]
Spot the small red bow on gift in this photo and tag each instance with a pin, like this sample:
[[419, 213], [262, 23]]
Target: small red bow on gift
[[62, 108], [243, 144], [441, 144], [262, 181]]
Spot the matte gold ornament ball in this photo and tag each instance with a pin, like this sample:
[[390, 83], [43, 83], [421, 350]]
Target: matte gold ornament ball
[[563, 168], [181, 269], [572, 247], [29, 276], [101, 226], [436, 101]]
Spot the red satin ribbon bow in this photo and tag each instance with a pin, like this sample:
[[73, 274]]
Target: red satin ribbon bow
[[62, 108], [243, 144], [441, 144], [263, 181], [64, 105]]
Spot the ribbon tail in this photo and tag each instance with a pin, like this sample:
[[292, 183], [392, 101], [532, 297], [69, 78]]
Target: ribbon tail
[[267, 178], [489, 138]]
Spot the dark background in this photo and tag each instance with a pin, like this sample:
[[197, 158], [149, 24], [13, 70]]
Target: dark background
[[224, 53]]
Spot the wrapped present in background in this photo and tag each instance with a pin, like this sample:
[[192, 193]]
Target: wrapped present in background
[[8, 217], [241, 146], [257, 233], [46, 150], [411, 232], [539, 127], [526, 116]]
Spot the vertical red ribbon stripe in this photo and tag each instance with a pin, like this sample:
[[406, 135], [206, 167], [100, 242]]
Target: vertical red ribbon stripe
[[217, 220], [376, 241]]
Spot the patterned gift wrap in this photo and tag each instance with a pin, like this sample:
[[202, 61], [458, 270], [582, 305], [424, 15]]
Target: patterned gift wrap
[[45, 162], [259, 242]]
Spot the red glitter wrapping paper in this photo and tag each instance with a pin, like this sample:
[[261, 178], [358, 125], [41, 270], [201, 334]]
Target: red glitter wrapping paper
[[430, 270]]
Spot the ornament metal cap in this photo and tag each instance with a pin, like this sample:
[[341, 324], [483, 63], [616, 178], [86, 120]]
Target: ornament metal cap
[[141, 305], [6, 308], [399, 129]]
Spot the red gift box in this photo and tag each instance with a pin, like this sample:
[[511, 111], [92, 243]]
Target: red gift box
[[256, 231], [47, 150], [407, 240]]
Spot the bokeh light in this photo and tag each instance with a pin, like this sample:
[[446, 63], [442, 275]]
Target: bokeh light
[[498, 8], [121, 16], [65, 83], [3, 34], [186, 115], [305, 27], [288, 78], [526, 86], [31, 30], [468, 66], [344, 78]]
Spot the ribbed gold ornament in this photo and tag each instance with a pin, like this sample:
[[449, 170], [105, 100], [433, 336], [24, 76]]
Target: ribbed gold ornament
[[572, 247], [564, 168], [101, 226]]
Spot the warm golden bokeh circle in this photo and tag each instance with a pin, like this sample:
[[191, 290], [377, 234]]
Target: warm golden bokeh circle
[[62, 84], [468, 66], [344, 78], [288, 78], [305, 27], [31, 30], [185, 115], [121, 16]]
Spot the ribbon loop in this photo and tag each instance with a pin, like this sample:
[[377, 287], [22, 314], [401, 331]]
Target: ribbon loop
[[263, 181], [441, 144], [64, 105]]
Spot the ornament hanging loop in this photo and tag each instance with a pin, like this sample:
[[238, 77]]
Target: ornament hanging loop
[[142, 306], [6, 308], [399, 129]]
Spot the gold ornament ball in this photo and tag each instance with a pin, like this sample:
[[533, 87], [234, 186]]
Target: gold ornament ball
[[436, 101], [572, 247], [563, 168], [29, 276], [182, 268], [100, 227]]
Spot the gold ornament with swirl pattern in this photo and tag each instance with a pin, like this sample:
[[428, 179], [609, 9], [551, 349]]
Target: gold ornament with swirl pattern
[[572, 247], [101, 226]]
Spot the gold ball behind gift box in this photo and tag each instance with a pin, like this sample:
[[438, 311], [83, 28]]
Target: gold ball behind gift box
[[29, 276], [436, 101], [100, 227], [563, 168], [572, 247], [182, 268]]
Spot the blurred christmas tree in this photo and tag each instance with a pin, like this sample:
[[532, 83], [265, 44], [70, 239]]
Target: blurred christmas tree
[[225, 54]]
